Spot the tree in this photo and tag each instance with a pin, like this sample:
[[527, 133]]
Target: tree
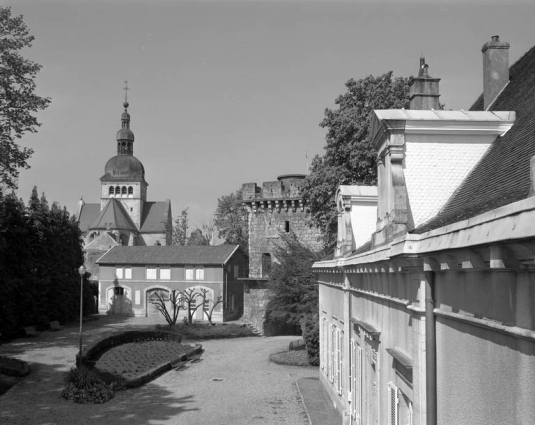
[[232, 220], [349, 158], [180, 229], [206, 302], [293, 284], [189, 298], [197, 238], [294, 288], [176, 303], [17, 98]]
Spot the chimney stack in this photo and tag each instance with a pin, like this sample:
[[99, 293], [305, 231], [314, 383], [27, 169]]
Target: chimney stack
[[424, 91], [495, 69]]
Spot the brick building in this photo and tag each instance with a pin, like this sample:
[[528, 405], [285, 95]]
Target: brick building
[[131, 276]]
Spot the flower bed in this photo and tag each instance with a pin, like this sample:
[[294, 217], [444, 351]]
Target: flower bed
[[130, 359]]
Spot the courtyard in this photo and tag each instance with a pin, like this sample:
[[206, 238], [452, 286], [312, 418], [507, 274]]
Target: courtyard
[[233, 383]]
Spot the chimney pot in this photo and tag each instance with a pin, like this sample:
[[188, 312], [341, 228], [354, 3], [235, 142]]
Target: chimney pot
[[495, 38], [424, 91]]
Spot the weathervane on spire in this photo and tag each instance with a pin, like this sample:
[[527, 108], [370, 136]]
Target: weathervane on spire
[[126, 93]]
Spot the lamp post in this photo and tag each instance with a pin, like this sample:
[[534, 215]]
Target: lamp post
[[81, 271]]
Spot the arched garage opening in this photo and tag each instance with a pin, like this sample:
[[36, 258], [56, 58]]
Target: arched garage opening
[[152, 296]]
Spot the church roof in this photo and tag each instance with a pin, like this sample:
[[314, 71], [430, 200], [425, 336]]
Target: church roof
[[502, 176], [102, 242], [198, 254], [113, 216], [155, 216], [87, 215], [123, 168]]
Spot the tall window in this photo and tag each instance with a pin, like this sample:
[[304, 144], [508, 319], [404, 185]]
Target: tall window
[[194, 272], [189, 272], [393, 402], [152, 273], [123, 190], [165, 273], [123, 272], [111, 191], [119, 273]]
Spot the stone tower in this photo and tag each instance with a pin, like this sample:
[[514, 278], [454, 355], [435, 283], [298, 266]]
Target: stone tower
[[276, 207]]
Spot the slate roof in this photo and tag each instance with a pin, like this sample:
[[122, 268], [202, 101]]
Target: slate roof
[[102, 242], [155, 216], [502, 176], [88, 214], [113, 216], [199, 254]]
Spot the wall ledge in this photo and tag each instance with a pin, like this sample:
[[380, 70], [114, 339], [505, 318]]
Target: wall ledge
[[513, 331]]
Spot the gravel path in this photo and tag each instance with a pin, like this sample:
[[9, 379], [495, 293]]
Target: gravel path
[[248, 388]]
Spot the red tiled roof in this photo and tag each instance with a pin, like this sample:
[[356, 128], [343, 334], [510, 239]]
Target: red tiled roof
[[87, 216], [502, 176], [198, 254]]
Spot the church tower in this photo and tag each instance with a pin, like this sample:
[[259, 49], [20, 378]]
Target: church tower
[[124, 174]]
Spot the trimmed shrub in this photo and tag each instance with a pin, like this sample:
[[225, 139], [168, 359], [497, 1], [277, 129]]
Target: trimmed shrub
[[84, 386], [310, 329]]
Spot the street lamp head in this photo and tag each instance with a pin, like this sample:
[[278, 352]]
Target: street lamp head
[[81, 270]]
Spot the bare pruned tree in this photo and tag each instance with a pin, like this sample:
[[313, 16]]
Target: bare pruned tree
[[176, 301], [189, 297], [206, 301]]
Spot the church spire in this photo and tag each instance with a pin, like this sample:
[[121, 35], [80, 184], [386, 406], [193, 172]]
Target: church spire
[[125, 137]]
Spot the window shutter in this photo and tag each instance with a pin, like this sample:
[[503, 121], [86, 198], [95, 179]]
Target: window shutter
[[329, 353], [393, 402]]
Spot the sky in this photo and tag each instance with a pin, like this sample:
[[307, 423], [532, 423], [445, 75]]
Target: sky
[[229, 92]]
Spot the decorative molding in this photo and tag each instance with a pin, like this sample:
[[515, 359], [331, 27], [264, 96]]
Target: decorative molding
[[513, 331]]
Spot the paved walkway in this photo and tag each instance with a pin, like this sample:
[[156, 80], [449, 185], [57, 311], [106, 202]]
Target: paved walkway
[[233, 384]]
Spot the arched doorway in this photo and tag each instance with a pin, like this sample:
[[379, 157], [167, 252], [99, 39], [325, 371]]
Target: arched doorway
[[119, 302], [201, 312], [152, 297]]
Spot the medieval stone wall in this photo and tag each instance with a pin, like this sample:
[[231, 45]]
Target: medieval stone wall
[[265, 230], [276, 208]]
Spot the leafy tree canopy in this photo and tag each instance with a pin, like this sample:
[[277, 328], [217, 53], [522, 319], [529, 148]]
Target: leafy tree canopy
[[349, 158], [17, 98], [197, 238], [232, 220], [180, 229], [293, 284]]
